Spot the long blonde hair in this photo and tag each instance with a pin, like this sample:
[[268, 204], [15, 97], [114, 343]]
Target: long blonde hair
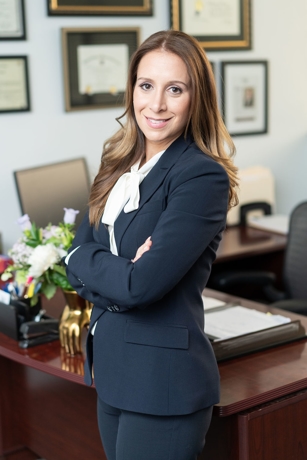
[[205, 123]]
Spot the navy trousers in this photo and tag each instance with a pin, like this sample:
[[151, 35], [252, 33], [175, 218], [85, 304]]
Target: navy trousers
[[133, 436]]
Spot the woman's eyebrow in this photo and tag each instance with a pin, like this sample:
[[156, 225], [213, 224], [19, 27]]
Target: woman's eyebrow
[[171, 82]]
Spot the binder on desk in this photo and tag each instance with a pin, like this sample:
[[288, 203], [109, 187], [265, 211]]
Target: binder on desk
[[235, 330]]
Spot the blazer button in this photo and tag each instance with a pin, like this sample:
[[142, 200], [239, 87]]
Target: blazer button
[[113, 308]]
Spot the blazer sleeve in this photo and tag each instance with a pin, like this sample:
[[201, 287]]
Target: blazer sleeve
[[84, 235], [195, 213]]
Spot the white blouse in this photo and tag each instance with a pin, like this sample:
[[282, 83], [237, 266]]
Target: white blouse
[[126, 195]]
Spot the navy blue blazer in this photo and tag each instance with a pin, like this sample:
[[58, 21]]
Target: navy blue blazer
[[150, 352]]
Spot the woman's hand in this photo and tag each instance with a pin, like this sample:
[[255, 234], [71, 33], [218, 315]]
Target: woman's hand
[[144, 248]]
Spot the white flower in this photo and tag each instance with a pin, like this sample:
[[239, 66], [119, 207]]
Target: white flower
[[42, 258], [62, 252], [70, 215], [20, 253], [24, 222]]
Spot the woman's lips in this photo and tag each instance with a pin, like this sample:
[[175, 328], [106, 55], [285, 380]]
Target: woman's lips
[[157, 123]]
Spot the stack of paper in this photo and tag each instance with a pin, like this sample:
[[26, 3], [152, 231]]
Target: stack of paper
[[210, 302], [277, 223], [235, 321]]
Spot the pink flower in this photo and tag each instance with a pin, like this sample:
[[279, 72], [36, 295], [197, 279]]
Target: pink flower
[[24, 222], [50, 231]]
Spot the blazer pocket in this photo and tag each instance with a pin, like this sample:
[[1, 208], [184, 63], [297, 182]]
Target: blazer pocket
[[157, 335]]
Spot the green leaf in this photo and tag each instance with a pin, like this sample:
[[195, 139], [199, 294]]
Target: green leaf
[[61, 280], [53, 240], [21, 276], [34, 300], [32, 243], [49, 290], [60, 269]]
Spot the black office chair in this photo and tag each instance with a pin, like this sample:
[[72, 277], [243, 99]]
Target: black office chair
[[294, 298]]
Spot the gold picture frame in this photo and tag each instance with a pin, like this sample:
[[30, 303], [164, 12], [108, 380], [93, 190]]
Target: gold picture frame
[[218, 26], [100, 7], [95, 64]]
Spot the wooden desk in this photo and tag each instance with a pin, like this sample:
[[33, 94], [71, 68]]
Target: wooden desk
[[242, 242], [246, 248], [262, 414]]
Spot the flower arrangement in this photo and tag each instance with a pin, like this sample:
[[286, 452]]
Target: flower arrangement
[[36, 257]]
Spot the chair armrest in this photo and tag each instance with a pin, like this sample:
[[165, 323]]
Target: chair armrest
[[256, 278]]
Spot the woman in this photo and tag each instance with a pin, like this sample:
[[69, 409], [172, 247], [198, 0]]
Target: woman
[[143, 255]]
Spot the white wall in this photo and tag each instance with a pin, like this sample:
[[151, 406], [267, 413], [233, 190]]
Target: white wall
[[48, 133]]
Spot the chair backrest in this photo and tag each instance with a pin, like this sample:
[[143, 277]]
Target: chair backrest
[[295, 266]]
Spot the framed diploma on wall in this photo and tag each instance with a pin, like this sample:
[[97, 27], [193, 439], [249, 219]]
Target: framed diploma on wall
[[95, 63], [12, 20], [99, 7], [14, 84], [245, 97], [217, 24]]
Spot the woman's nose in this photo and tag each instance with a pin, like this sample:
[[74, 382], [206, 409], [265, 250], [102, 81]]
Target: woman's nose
[[158, 101]]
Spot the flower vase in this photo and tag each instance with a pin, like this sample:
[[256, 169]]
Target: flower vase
[[74, 320]]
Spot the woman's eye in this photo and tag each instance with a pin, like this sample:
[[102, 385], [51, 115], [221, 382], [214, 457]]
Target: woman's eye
[[175, 90], [146, 86]]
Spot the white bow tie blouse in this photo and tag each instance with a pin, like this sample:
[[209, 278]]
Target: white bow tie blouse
[[126, 195]]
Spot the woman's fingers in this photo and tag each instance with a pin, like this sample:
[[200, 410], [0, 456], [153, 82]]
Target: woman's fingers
[[144, 248]]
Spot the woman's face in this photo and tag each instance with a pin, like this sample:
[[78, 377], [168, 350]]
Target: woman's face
[[161, 99]]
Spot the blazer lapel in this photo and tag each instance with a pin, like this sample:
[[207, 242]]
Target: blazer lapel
[[150, 184]]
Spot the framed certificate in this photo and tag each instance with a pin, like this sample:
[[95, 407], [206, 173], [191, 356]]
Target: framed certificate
[[245, 97], [14, 84], [95, 63], [12, 20], [217, 24], [100, 7]]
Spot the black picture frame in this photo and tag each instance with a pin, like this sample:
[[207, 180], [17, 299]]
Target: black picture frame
[[12, 21], [95, 63], [245, 97], [14, 84], [99, 7], [194, 18]]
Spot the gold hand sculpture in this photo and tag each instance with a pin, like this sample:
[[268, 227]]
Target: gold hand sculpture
[[76, 316]]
